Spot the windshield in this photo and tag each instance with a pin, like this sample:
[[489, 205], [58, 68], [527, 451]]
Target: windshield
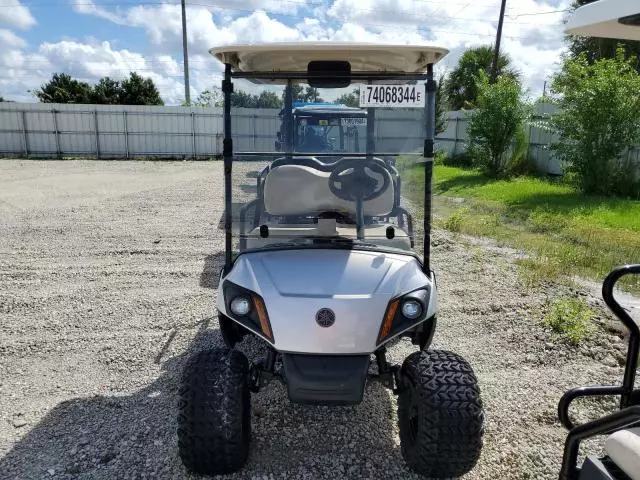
[[341, 170]]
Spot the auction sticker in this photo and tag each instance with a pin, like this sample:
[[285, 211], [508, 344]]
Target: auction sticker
[[353, 122], [393, 96]]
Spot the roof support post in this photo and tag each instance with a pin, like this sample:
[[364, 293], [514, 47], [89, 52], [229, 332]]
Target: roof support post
[[371, 148], [227, 153], [288, 119], [428, 154]]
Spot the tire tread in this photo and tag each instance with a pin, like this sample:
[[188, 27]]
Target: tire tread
[[214, 419], [451, 417]]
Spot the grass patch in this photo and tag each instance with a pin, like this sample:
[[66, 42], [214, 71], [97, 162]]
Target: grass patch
[[566, 232], [540, 271], [570, 318]]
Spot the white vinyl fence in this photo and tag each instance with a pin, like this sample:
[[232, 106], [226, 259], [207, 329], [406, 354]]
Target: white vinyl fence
[[120, 132], [116, 131]]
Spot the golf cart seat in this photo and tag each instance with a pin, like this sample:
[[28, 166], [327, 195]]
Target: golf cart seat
[[623, 447], [302, 188], [296, 189]]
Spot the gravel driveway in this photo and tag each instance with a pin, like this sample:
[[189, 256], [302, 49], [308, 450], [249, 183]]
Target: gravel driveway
[[107, 283]]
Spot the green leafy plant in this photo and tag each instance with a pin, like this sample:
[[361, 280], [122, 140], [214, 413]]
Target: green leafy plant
[[570, 318], [599, 119], [455, 221], [495, 124]]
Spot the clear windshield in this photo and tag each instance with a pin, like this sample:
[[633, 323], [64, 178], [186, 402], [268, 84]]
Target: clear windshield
[[337, 173]]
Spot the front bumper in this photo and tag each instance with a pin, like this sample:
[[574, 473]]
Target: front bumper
[[325, 379]]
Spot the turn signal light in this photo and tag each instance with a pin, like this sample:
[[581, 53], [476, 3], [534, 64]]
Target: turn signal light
[[262, 315], [388, 320]]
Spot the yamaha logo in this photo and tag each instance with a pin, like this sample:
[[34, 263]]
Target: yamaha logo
[[325, 317]]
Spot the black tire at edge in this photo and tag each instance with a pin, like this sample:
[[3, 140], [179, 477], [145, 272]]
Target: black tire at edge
[[214, 420], [450, 429]]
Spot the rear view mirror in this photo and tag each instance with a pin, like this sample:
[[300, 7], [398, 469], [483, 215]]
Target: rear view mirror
[[328, 74]]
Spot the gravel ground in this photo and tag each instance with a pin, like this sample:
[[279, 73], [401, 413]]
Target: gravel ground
[[107, 283]]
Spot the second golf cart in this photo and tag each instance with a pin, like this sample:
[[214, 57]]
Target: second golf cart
[[621, 460], [325, 272], [323, 127]]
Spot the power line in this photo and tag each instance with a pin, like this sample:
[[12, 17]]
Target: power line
[[411, 14], [539, 13]]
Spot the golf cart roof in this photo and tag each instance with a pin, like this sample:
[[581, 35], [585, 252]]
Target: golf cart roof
[[294, 57], [326, 108], [607, 19]]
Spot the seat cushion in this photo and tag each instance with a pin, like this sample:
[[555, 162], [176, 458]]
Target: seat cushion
[[623, 447], [299, 190]]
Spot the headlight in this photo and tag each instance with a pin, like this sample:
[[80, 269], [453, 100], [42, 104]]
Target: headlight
[[247, 308], [240, 306], [403, 313], [411, 309]]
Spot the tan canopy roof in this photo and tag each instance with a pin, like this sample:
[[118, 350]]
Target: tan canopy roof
[[295, 56]]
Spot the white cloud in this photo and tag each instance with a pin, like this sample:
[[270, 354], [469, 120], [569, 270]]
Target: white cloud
[[89, 7], [14, 14], [164, 26], [380, 13], [10, 39], [533, 41]]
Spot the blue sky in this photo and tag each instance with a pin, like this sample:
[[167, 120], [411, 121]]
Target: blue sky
[[93, 38]]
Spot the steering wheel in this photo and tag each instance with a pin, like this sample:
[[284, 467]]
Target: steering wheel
[[349, 179]]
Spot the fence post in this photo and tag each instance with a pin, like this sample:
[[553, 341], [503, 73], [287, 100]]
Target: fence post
[[193, 134], [126, 133], [56, 132], [529, 144], [95, 124], [455, 137], [25, 137], [255, 131]]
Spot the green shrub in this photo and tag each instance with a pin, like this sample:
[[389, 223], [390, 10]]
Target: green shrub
[[495, 123], [520, 163], [570, 318], [454, 222], [599, 120], [441, 158]]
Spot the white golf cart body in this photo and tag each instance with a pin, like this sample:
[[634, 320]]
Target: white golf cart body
[[319, 260], [618, 19], [356, 286]]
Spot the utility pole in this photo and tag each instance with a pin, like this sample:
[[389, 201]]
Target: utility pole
[[185, 54], [496, 53]]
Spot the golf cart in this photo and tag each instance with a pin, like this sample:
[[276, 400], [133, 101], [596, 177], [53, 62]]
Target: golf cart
[[316, 125], [325, 274], [608, 19]]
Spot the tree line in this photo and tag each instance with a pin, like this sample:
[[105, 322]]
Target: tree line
[[134, 90], [213, 97]]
